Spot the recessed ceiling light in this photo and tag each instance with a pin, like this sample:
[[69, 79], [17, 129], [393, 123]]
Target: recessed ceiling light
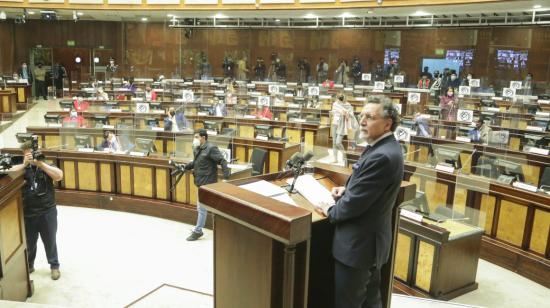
[[420, 13], [144, 18], [310, 16], [169, 15], [79, 13], [346, 15], [277, 20], [370, 12], [30, 12], [220, 15], [538, 6]]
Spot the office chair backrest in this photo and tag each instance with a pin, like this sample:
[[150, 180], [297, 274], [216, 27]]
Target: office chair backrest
[[258, 161], [545, 179]]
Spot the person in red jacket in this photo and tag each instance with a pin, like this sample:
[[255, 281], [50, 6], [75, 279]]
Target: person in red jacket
[[80, 105], [265, 113], [74, 117], [424, 82], [150, 95]]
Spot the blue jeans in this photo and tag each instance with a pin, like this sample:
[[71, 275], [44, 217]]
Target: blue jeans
[[201, 219]]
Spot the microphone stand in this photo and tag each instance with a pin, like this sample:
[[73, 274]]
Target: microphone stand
[[296, 170]]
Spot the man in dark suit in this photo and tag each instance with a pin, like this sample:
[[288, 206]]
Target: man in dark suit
[[362, 212]]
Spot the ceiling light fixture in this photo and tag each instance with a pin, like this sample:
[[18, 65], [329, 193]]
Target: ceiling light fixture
[[30, 12], [277, 20], [79, 13], [309, 15], [144, 19], [346, 15], [3, 15], [220, 15], [370, 12], [421, 13], [379, 2]]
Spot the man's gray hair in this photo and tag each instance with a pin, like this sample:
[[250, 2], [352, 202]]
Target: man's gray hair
[[388, 109]]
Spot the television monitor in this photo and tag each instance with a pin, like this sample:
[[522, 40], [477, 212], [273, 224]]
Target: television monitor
[[391, 56], [462, 57], [499, 138], [211, 126], [145, 146], [487, 116], [449, 156], [155, 106], [151, 122], [488, 103], [111, 105], [434, 111], [511, 169], [264, 130], [66, 104], [464, 131], [83, 141], [100, 120], [205, 108], [407, 123], [541, 122], [537, 141], [24, 137], [512, 59], [52, 118]]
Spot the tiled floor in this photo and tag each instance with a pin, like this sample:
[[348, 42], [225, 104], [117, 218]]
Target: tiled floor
[[111, 259]]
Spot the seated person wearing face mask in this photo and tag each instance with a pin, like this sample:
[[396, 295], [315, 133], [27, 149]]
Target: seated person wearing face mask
[[422, 125], [219, 109], [110, 142], [265, 113], [101, 95], [74, 120], [480, 134], [455, 82], [150, 95]]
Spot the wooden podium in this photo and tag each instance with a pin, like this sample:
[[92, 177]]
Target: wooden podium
[[268, 253], [15, 284]]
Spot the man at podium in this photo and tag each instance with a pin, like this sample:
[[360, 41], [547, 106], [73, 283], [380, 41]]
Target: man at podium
[[363, 208]]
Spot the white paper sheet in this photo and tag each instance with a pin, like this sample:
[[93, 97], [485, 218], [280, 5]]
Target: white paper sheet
[[312, 190], [264, 188]]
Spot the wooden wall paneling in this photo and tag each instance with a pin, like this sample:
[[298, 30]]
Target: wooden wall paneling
[[125, 179], [459, 202], [10, 228], [425, 265], [143, 182], [106, 177], [541, 232], [294, 135], [52, 141], [193, 191], [436, 194], [511, 222], [87, 176], [181, 193], [403, 260], [69, 174], [240, 153], [162, 183], [531, 173], [273, 161], [487, 206]]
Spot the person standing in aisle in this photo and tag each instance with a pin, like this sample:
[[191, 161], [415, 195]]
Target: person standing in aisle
[[206, 158], [40, 81]]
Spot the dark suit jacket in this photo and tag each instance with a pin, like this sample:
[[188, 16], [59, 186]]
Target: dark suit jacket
[[362, 216]]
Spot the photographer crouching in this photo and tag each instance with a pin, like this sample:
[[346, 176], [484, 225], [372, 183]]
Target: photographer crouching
[[39, 206]]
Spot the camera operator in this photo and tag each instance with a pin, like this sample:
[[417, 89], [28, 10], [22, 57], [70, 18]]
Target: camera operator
[[39, 205]]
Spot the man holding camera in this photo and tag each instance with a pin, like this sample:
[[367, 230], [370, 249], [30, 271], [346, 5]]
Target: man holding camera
[[39, 205]]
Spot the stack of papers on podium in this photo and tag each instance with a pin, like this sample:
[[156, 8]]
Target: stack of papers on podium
[[271, 190], [312, 190]]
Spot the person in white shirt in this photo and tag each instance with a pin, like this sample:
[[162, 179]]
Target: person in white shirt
[[101, 95], [342, 121]]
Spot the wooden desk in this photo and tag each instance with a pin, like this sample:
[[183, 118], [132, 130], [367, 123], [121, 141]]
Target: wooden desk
[[439, 259], [110, 181], [517, 222], [15, 284], [281, 254], [170, 142], [24, 94], [8, 102]]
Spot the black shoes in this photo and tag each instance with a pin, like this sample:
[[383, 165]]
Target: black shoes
[[194, 236]]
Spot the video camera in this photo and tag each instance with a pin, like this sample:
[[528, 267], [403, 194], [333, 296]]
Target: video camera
[[8, 160], [25, 137]]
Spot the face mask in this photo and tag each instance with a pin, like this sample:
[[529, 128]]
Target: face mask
[[469, 77], [196, 143], [450, 93], [527, 78], [453, 77]]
